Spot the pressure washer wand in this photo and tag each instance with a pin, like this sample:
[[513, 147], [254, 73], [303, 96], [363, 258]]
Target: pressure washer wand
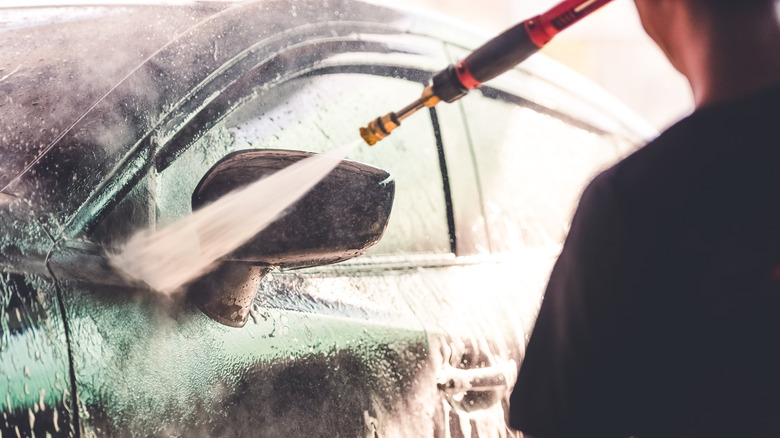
[[488, 61]]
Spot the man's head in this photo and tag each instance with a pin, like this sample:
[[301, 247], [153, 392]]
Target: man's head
[[661, 18], [713, 42]]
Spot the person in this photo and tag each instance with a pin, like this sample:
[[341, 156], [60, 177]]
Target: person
[[661, 317]]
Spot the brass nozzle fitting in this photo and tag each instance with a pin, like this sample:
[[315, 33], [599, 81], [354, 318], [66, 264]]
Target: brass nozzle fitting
[[379, 128], [428, 98]]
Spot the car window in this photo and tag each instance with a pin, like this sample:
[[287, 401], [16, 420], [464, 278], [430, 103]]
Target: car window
[[317, 114], [175, 185], [133, 213], [532, 165]]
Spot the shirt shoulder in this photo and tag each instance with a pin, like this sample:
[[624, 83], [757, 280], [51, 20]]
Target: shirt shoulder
[[714, 145]]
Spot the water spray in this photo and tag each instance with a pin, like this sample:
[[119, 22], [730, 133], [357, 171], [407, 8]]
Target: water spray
[[486, 62], [187, 249]]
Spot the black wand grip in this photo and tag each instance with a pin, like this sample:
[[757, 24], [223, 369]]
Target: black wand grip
[[501, 53], [446, 85]]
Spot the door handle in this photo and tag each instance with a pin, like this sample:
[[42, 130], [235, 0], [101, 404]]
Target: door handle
[[494, 378]]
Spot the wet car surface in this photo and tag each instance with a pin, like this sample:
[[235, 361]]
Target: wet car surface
[[114, 114]]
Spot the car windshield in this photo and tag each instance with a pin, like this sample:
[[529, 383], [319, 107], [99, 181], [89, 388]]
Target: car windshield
[[75, 102]]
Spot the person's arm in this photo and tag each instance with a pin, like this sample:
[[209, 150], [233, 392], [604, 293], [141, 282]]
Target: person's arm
[[573, 379]]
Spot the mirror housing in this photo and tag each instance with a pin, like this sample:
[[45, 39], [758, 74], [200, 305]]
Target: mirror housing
[[340, 218]]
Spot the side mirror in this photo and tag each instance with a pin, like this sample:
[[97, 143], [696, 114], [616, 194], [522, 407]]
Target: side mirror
[[340, 218]]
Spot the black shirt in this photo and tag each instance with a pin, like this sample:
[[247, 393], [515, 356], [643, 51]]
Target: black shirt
[[662, 314]]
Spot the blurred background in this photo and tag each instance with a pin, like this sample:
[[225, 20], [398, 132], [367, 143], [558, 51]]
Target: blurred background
[[609, 47]]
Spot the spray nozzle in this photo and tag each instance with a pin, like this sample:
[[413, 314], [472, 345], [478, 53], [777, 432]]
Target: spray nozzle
[[381, 127]]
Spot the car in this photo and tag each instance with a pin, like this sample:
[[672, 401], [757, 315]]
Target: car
[[123, 118]]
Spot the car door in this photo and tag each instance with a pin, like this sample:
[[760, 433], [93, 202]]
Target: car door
[[36, 385], [336, 351], [423, 265], [519, 150]]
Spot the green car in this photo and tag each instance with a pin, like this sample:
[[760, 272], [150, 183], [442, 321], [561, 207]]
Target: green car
[[119, 119]]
